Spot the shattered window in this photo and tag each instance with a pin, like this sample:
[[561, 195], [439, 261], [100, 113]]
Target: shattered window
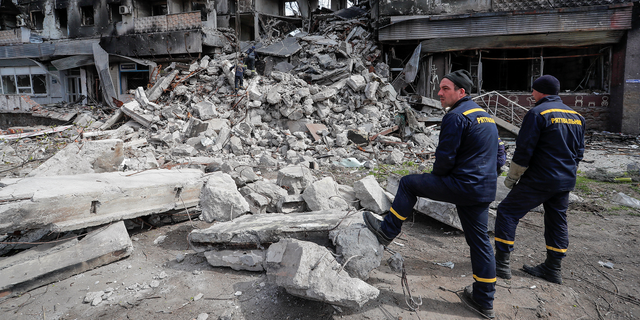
[[87, 15], [9, 85], [39, 83], [37, 17], [159, 9], [62, 18], [291, 8], [24, 83], [202, 7]]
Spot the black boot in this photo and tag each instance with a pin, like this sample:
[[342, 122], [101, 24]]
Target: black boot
[[549, 270], [467, 296], [503, 270], [373, 225]]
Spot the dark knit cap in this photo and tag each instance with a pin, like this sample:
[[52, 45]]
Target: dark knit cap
[[462, 79], [547, 84]]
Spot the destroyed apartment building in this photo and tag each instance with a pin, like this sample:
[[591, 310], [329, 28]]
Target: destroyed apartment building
[[122, 115]]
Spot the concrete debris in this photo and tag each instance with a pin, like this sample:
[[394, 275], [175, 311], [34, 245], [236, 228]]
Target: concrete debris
[[324, 195], [249, 260], [626, 200], [71, 202], [295, 178], [371, 195], [292, 203], [358, 249], [267, 189], [88, 157], [55, 261], [257, 231], [310, 271], [220, 199]]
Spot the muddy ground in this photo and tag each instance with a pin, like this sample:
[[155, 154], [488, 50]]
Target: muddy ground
[[152, 284]]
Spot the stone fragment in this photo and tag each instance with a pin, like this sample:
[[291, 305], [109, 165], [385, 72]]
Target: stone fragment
[[395, 157], [206, 110], [194, 127], [88, 157], [220, 199], [371, 195], [249, 260], [295, 178], [371, 89], [324, 195], [358, 249], [324, 95], [292, 203], [356, 82], [270, 190], [310, 271]]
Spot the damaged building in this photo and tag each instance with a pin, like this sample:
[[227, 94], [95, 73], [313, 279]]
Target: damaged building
[[95, 52], [588, 45]]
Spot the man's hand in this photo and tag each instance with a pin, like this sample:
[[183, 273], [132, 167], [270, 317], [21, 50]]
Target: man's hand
[[515, 172]]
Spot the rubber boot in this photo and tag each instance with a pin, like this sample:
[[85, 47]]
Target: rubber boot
[[503, 270], [373, 225], [550, 270]]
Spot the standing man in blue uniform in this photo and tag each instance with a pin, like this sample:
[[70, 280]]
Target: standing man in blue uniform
[[239, 70], [464, 174], [250, 61], [543, 170]]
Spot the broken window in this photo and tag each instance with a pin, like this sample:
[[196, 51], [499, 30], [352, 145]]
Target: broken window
[[24, 83], [291, 9], [61, 14], [132, 76], [87, 15], [159, 9], [9, 84], [114, 13], [202, 7], [578, 69], [39, 82], [37, 17]]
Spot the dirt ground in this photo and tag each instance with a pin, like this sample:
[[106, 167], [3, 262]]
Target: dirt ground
[[152, 284]]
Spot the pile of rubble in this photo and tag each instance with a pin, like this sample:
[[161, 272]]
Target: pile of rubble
[[191, 147]]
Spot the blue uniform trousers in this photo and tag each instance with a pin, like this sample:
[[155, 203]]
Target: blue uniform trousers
[[518, 202], [238, 81], [473, 217]]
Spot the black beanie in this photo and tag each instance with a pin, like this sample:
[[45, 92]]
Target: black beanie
[[547, 84], [462, 79]]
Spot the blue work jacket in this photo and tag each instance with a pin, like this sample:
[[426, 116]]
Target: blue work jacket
[[550, 144], [467, 152]]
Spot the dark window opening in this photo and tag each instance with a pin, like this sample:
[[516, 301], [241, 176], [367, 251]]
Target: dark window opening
[[87, 15], [9, 85], [507, 70], [62, 18], [39, 83], [136, 79], [159, 9], [114, 13], [37, 17], [202, 7], [24, 83]]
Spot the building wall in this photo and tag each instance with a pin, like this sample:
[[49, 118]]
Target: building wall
[[631, 97]]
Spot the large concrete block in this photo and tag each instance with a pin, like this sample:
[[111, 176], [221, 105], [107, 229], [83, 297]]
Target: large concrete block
[[250, 231], [358, 249], [310, 271], [447, 213], [356, 82], [88, 157], [54, 262], [324, 195], [270, 190], [220, 199], [371, 195], [72, 202]]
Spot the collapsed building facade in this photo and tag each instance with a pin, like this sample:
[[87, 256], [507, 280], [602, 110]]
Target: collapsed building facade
[[588, 45], [98, 51]]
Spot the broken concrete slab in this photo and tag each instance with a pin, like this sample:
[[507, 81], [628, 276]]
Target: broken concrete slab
[[310, 271], [205, 110], [371, 195], [285, 48], [71, 202], [57, 261], [358, 249], [256, 231], [87, 157], [295, 178], [220, 199], [163, 83], [249, 260], [132, 109], [447, 213], [324, 195], [356, 82]]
